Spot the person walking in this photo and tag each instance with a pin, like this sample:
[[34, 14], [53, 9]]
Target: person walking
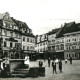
[[65, 60], [60, 66], [40, 63], [49, 62], [54, 66], [70, 60]]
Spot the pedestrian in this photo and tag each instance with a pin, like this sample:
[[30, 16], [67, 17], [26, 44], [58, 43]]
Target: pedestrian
[[70, 60], [7, 63], [54, 66], [3, 68], [40, 63], [26, 61], [49, 62], [60, 66], [65, 60]]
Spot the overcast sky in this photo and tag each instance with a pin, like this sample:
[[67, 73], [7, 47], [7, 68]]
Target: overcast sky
[[42, 15]]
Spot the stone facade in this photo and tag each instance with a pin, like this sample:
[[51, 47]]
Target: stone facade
[[12, 32]]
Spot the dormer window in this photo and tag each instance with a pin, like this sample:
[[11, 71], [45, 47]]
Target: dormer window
[[27, 30], [11, 26]]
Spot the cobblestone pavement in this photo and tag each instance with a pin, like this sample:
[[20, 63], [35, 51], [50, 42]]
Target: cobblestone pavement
[[70, 72]]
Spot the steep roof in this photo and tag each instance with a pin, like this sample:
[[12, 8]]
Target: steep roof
[[53, 31], [68, 28], [2, 15], [19, 23]]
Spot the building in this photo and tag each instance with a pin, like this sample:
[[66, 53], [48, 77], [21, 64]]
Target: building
[[16, 37], [11, 37], [42, 44], [51, 42], [61, 43], [60, 39], [27, 39], [72, 41]]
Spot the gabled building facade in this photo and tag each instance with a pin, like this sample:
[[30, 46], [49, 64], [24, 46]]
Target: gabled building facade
[[41, 44], [17, 39], [11, 38], [60, 39], [72, 42], [51, 42]]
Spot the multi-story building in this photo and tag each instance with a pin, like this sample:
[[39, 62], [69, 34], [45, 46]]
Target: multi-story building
[[16, 37], [64, 42], [11, 38], [51, 41], [27, 39], [42, 44], [60, 40], [72, 41]]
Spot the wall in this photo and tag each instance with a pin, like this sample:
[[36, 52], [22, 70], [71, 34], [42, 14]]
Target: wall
[[14, 63]]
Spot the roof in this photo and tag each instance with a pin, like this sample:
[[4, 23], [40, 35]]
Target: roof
[[20, 24], [68, 28], [2, 15], [53, 31]]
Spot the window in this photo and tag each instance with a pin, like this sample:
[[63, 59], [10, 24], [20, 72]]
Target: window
[[31, 40], [5, 44], [23, 47], [53, 47], [73, 55], [10, 44], [12, 26], [69, 40], [11, 33], [16, 34], [44, 43], [40, 44], [5, 31], [27, 39], [27, 47], [73, 47], [67, 55], [23, 38]]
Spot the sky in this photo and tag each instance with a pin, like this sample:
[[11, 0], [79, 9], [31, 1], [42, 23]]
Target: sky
[[42, 15]]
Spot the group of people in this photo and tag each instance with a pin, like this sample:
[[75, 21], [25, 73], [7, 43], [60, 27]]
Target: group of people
[[55, 62]]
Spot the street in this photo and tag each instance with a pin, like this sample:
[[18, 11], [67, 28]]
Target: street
[[70, 72]]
